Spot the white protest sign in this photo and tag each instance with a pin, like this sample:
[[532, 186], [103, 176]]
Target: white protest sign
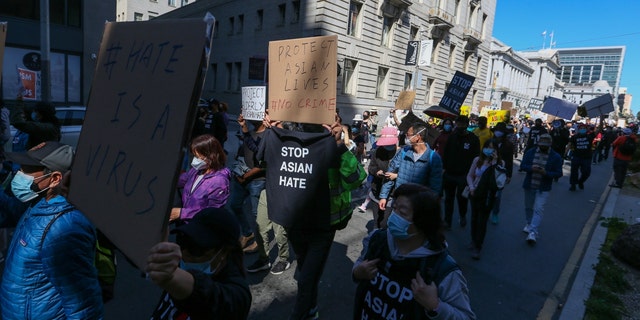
[[253, 102]]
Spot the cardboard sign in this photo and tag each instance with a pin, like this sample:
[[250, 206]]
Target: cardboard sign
[[506, 105], [254, 101], [302, 79], [496, 116], [559, 108], [29, 81], [3, 39], [405, 100], [147, 76], [535, 104], [457, 92], [465, 111], [599, 106]]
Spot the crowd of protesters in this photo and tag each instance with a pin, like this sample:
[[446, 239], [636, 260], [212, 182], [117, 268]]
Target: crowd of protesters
[[414, 181]]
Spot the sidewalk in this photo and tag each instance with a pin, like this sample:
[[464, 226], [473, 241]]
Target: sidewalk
[[621, 204]]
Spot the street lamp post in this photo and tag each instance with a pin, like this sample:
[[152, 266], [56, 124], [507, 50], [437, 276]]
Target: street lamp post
[[45, 64]]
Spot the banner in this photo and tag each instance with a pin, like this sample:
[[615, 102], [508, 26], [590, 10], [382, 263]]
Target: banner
[[405, 100], [254, 100], [147, 73], [412, 53], [302, 79], [426, 48], [29, 83], [457, 92], [559, 108]]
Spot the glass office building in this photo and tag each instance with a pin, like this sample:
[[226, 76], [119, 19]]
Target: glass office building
[[583, 66]]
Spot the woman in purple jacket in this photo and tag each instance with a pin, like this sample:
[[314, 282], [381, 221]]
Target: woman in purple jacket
[[206, 184]]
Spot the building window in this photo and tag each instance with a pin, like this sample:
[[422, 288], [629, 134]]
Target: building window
[[387, 25], [238, 76], [259, 19], [484, 25], [471, 23], [408, 84], [232, 22], [381, 83], [456, 11], [413, 33], [172, 3], [452, 56], [257, 69], [354, 19], [467, 61], [349, 77], [151, 17], [282, 14], [240, 23], [137, 16], [229, 68], [436, 48], [296, 11], [478, 67], [429, 94], [154, 1], [214, 76]]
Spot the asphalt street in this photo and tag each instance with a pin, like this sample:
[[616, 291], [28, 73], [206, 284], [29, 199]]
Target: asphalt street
[[512, 280]]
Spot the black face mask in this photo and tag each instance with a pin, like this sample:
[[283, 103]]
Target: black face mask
[[544, 149]]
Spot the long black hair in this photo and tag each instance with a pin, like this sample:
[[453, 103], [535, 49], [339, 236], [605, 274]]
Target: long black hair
[[426, 212]]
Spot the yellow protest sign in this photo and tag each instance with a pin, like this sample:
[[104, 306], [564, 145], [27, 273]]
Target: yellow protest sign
[[496, 116]]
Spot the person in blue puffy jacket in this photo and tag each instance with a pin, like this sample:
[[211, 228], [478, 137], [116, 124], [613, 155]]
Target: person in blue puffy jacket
[[49, 271]]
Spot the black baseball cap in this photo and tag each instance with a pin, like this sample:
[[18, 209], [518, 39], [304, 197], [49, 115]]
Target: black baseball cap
[[211, 228], [52, 155]]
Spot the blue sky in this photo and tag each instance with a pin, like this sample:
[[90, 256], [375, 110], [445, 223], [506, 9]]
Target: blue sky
[[588, 23]]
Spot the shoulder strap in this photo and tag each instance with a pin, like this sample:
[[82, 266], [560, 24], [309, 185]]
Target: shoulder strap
[[46, 229]]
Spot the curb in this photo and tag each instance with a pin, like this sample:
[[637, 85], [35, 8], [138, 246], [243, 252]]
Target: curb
[[580, 288]]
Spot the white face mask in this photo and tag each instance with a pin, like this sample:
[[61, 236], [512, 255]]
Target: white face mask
[[198, 163]]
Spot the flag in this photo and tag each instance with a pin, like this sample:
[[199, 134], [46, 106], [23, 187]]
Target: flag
[[544, 33]]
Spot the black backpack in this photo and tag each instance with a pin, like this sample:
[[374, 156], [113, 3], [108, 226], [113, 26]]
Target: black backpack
[[628, 147]]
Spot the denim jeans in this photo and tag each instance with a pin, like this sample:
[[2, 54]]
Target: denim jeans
[[496, 204], [534, 201], [237, 197]]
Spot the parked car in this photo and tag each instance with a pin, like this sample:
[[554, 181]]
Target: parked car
[[71, 119]]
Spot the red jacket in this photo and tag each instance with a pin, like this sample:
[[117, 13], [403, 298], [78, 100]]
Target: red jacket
[[618, 142]]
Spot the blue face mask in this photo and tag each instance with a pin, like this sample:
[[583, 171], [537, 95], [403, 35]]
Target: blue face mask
[[447, 127], [22, 186], [34, 116], [487, 151], [200, 266], [398, 226], [582, 131]]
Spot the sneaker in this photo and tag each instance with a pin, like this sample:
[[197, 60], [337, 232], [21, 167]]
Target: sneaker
[[251, 248], [531, 238], [494, 218], [527, 229], [581, 186], [259, 265], [572, 188], [362, 209], [280, 267]]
